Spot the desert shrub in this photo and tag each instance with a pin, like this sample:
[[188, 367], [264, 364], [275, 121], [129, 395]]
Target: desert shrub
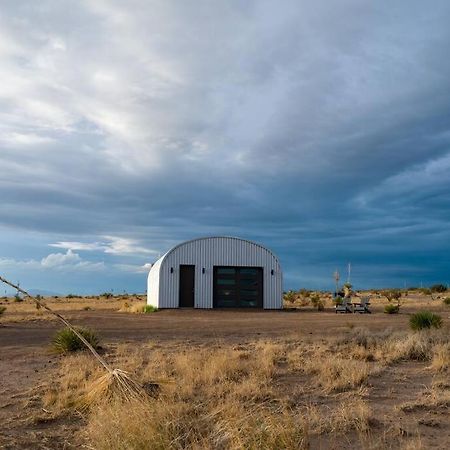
[[317, 302], [73, 296], [66, 341], [438, 287], [391, 309], [304, 292], [289, 296], [446, 301], [149, 309], [392, 294], [87, 308], [425, 291], [2, 309], [315, 299], [425, 319], [338, 300], [107, 295], [18, 298]]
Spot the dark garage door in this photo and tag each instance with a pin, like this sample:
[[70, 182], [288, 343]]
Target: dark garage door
[[238, 287]]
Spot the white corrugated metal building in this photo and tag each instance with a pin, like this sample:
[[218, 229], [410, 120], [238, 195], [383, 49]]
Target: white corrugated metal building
[[216, 272]]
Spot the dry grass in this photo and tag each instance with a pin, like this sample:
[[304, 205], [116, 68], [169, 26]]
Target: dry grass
[[26, 310], [441, 358], [221, 397], [389, 347], [284, 393]]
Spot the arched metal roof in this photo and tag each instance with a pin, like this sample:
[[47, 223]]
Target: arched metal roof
[[163, 257]]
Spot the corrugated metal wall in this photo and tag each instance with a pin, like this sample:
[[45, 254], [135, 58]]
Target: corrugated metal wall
[[153, 284], [207, 253]]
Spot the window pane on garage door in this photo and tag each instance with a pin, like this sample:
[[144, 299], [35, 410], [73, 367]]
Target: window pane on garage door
[[238, 287]]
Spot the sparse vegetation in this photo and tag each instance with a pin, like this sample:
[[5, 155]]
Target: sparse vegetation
[[314, 387], [446, 301], [107, 295], [424, 320], [391, 309], [392, 294], [149, 309], [2, 309], [438, 288], [425, 291], [225, 396], [66, 341], [290, 297]]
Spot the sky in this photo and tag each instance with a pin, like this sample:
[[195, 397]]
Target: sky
[[318, 128]]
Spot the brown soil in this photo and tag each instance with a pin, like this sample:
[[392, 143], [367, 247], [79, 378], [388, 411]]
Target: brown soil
[[26, 362]]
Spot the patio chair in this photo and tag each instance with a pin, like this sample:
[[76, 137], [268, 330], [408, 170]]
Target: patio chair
[[345, 307], [363, 306]]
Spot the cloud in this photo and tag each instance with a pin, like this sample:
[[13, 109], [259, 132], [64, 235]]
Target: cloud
[[54, 261], [145, 268], [311, 127], [116, 246]]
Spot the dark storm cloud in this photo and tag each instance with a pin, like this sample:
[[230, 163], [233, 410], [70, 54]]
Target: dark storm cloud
[[321, 129]]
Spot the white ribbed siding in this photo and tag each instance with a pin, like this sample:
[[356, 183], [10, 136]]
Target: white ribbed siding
[[153, 284], [163, 287]]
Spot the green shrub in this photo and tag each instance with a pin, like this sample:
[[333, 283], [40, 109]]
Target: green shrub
[[18, 298], [2, 309], [66, 341], [438, 288], [338, 300], [425, 319], [149, 309], [107, 295], [392, 309], [320, 305], [446, 301]]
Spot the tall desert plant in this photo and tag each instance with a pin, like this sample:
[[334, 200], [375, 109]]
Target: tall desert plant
[[115, 381]]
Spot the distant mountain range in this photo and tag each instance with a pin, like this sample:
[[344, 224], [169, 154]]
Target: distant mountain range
[[32, 291]]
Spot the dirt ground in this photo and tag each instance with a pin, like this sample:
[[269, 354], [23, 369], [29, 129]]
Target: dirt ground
[[26, 362]]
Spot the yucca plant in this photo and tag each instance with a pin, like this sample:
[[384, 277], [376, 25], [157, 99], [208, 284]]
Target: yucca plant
[[66, 341], [115, 382], [425, 319]]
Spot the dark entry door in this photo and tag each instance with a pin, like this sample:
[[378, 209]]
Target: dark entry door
[[187, 286], [238, 287]]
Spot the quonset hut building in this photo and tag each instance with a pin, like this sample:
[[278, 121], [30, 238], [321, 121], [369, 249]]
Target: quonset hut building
[[216, 272]]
